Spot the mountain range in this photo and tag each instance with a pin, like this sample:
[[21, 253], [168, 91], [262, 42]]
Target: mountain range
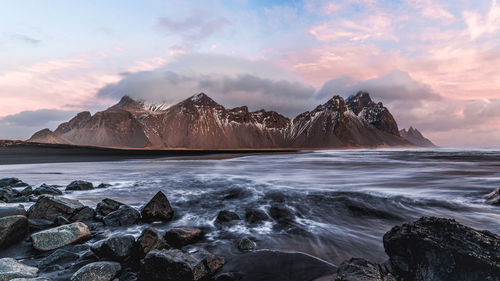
[[201, 123]]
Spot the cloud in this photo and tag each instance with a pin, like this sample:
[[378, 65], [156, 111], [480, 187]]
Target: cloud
[[478, 25], [432, 9], [26, 39]]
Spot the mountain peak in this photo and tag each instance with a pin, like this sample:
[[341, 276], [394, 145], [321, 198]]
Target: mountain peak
[[200, 99], [127, 103]]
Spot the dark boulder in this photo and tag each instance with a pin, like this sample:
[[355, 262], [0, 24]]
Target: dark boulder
[[226, 217], [173, 264], [39, 224], [11, 269], [103, 185], [60, 220], [7, 194], [12, 211], [157, 209], [97, 271], [246, 244], [441, 249], [47, 189], [211, 261], [117, 247], [493, 197], [49, 208], [12, 230], [59, 256], [10, 182], [124, 216], [27, 191], [80, 185], [282, 214], [107, 206], [255, 216], [149, 240], [182, 235], [83, 214], [362, 270]]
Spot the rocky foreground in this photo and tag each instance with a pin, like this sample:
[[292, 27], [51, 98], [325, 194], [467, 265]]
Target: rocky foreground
[[67, 240]]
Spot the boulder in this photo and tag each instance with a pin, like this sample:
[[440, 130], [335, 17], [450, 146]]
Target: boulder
[[80, 185], [7, 194], [57, 257], [117, 247], [125, 215], [179, 236], [27, 191], [441, 249], [282, 214], [103, 185], [226, 217], [83, 214], [97, 271], [10, 269], [362, 270], [173, 264], [49, 208], [246, 244], [493, 197], [47, 190], [39, 224], [107, 206], [12, 230], [12, 211], [61, 221], [255, 216], [157, 209], [211, 261], [149, 240], [10, 182], [60, 236]]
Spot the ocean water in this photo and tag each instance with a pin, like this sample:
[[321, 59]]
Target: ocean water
[[344, 200]]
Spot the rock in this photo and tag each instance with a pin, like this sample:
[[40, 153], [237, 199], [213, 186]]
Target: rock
[[97, 271], [226, 217], [80, 185], [12, 211], [27, 191], [157, 209], [182, 235], [47, 189], [60, 236], [49, 208], [57, 257], [12, 230], [125, 215], [149, 240], [362, 270], [267, 265], [7, 193], [19, 199], [39, 224], [9, 181], [282, 214], [103, 185], [493, 197], [83, 214], [61, 221], [255, 216], [246, 244], [211, 261], [170, 265], [10, 269], [441, 249], [107, 206], [128, 276], [117, 247]]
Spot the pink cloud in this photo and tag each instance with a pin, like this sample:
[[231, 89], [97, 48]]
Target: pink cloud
[[432, 9], [477, 25]]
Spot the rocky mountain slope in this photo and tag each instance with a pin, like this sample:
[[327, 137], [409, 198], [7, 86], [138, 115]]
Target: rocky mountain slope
[[415, 137], [200, 122]]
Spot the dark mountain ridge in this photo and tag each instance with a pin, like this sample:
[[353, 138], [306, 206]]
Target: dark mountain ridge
[[201, 123]]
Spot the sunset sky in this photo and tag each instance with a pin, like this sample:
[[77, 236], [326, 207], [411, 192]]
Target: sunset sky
[[434, 64]]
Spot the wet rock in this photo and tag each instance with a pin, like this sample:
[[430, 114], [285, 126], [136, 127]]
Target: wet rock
[[10, 269], [107, 206], [117, 247], [493, 198], [7, 194], [49, 208], [61, 221], [83, 214], [19, 199], [60, 236], [157, 209], [226, 217], [182, 235], [12, 211], [269, 265], [80, 185], [440, 249], [255, 216], [246, 244], [57, 257], [149, 240], [103, 185], [173, 264], [10, 182], [27, 191], [97, 271], [47, 190], [39, 224], [12, 230], [128, 276], [282, 214], [125, 215], [211, 261], [362, 270]]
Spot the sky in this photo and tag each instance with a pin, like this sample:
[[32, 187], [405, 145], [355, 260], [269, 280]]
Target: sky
[[434, 64]]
